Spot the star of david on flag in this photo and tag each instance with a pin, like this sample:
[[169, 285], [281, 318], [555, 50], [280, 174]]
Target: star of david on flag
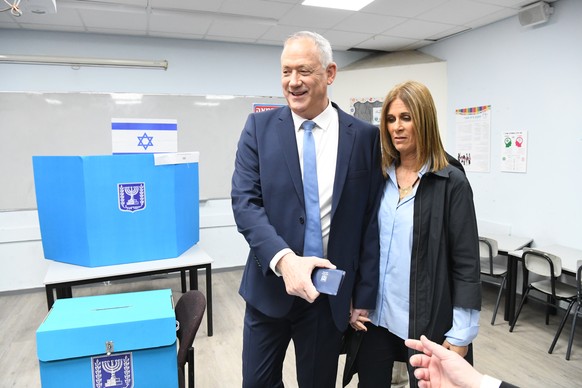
[[144, 136]]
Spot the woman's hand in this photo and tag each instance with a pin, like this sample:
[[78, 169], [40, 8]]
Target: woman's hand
[[460, 350]]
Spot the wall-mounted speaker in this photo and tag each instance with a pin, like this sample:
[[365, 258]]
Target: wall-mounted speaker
[[536, 13]]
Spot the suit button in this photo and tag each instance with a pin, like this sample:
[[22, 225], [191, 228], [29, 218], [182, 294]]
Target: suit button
[[301, 220]]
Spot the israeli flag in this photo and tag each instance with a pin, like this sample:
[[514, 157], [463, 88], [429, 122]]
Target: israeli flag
[[144, 136]]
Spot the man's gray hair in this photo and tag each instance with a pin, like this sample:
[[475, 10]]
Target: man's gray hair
[[322, 44]]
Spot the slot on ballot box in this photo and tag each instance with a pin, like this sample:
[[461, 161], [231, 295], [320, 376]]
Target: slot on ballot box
[[115, 209], [118, 340]]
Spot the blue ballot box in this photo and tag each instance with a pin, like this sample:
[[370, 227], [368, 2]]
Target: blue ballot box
[[114, 209], [119, 340]]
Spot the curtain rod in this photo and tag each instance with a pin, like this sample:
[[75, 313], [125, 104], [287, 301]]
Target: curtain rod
[[78, 61]]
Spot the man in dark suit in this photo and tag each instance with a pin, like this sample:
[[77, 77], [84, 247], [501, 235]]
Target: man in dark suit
[[282, 303]]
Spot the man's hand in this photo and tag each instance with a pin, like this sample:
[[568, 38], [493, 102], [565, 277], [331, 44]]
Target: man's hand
[[296, 272], [358, 318], [437, 367]]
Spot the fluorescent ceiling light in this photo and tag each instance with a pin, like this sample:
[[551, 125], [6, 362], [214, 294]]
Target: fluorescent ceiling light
[[127, 98], [220, 97], [349, 5]]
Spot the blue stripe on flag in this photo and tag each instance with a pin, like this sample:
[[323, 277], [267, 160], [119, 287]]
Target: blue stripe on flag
[[145, 126]]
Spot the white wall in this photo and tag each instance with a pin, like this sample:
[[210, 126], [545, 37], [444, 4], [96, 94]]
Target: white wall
[[195, 68], [374, 77], [532, 78]]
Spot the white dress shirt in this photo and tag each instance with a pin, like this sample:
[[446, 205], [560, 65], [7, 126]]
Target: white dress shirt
[[326, 136]]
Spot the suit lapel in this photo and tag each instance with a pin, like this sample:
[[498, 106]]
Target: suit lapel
[[347, 137], [286, 132]]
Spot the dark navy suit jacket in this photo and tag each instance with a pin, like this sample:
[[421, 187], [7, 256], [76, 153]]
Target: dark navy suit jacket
[[268, 205]]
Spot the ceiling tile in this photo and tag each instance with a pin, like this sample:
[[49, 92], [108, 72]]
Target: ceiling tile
[[66, 17], [129, 21], [198, 5], [175, 23], [314, 17], [277, 34], [234, 30], [385, 43], [339, 39], [492, 18], [368, 23], [418, 29], [258, 8], [408, 8], [459, 12]]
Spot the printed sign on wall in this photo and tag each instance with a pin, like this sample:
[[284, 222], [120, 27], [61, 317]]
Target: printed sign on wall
[[514, 151]]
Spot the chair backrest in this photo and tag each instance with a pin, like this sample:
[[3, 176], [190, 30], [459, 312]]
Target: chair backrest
[[487, 251], [542, 263], [487, 248], [189, 312]]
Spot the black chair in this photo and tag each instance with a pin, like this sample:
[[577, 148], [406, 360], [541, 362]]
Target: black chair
[[550, 268], [493, 265], [189, 312], [578, 311]]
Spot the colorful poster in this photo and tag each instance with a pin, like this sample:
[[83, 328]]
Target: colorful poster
[[473, 136], [514, 151], [144, 136], [264, 107], [368, 109]]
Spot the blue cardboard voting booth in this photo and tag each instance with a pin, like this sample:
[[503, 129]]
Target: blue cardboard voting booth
[[114, 209], [119, 340]]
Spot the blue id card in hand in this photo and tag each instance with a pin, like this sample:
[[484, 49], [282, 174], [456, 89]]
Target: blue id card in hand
[[327, 280]]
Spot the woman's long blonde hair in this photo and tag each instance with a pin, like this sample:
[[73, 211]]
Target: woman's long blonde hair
[[429, 148]]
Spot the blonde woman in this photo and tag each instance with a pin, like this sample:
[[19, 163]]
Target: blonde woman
[[429, 252]]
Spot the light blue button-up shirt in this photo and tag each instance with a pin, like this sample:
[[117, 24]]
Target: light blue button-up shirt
[[396, 219]]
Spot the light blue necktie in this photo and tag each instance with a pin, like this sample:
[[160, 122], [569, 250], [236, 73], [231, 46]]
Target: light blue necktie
[[313, 244]]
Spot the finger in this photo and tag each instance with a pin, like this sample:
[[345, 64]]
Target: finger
[[358, 318], [420, 360], [421, 374], [324, 263], [310, 293], [433, 347], [414, 344]]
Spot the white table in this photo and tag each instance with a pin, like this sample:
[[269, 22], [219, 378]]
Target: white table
[[508, 243], [569, 256], [61, 277]]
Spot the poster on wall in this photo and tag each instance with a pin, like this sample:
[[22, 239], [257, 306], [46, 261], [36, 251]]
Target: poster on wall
[[473, 136], [265, 107], [368, 109], [514, 151]]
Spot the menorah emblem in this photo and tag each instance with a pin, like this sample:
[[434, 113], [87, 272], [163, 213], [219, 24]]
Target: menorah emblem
[[131, 196], [111, 367], [113, 371], [131, 191]]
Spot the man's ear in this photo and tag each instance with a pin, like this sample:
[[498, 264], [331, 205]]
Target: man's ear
[[331, 72]]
